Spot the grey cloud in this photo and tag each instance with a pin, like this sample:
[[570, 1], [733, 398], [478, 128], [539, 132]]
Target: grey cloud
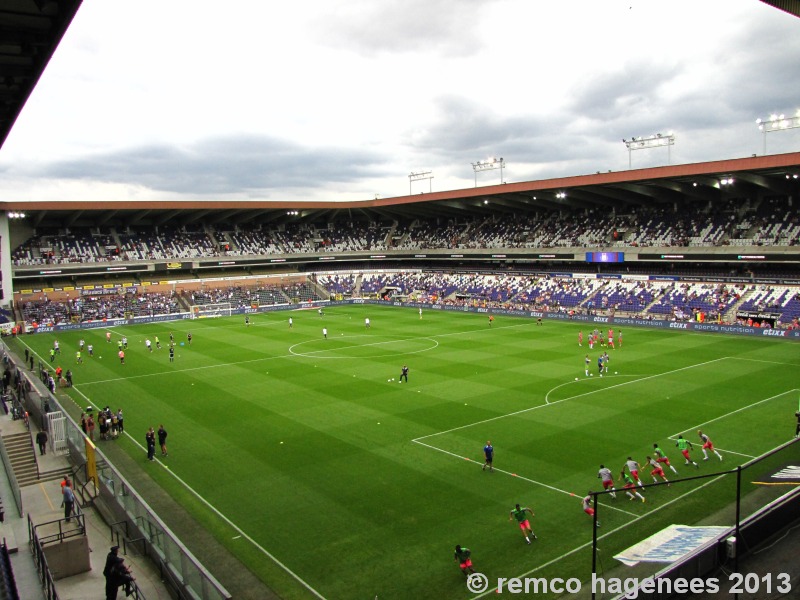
[[226, 165], [467, 131], [617, 92]]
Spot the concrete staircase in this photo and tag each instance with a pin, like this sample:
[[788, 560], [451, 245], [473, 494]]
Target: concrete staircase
[[23, 459]]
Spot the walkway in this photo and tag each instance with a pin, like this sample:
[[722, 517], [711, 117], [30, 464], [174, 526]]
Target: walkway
[[43, 502]]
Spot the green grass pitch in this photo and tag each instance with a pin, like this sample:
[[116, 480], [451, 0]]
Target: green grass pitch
[[361, 486]]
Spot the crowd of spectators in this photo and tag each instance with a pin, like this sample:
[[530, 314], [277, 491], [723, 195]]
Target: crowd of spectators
[[769, 222], [99, 307], [240, 296], [671, 300], [646, 299]]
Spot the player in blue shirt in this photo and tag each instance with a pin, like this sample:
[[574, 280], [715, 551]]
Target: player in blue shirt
[[488, 453], [600, 364]]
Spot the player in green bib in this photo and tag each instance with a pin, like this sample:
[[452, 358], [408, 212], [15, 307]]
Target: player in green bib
[[684, 446], [462, 556], [520, 515], [630, 486], [662, 458]]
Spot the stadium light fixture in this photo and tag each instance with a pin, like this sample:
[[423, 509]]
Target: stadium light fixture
[[488, 165], [725, 181], [421, 176], [16, 215], [561, 195], [776, 122], [657, 140]]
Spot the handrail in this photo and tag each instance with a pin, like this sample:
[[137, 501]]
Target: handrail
[[40, 560], [62, 533], [35, 456], [142, 539], [12, 477], [111, 526]]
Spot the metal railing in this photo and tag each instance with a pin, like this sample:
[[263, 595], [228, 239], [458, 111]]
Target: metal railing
[[12, 477], [66, 529], [40, 560]]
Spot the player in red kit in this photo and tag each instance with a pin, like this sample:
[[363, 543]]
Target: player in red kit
[[657, 470], [707, 445], [587, 506], [633, 467]]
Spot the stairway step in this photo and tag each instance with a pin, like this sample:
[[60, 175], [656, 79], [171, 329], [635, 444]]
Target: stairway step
[[19, 446], [20, 450], [53, 475]]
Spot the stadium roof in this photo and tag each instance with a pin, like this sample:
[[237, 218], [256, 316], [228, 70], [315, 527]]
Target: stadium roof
[[30, 31], [790, 6], [684, 185]]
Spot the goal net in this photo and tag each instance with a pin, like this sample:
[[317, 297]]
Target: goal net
[[205, 311]]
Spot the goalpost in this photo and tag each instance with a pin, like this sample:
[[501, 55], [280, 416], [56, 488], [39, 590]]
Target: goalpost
[[205, 311]]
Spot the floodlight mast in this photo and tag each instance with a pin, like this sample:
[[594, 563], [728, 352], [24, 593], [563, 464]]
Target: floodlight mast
[[421, 176], [488, 165], [656, 140], [775, 123]]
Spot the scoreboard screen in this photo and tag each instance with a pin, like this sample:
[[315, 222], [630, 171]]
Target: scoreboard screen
[[605, 257]]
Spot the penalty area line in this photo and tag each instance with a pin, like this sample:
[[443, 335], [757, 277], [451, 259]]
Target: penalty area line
[[538, 406], [510, 474], [733, 412]]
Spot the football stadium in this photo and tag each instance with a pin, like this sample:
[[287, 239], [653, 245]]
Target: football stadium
[[573, 387]]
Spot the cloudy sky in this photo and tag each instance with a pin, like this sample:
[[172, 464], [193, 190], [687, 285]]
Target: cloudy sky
[[343, 99]]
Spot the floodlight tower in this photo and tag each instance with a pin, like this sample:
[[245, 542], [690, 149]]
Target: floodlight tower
[[421, 176], [777, 123], [488, 165], [656, 140]]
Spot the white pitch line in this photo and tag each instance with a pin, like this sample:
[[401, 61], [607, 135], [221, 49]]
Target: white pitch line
[[600, 537], [510, 474], [216, 511], [316, 353], [524, 410], [255, 360], [231, 364], [733, 452], [733, 412], [547, 396], [761, 360]]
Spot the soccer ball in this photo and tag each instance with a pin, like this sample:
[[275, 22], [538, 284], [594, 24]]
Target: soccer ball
[[101, 357], [591, 375], [576, 379], [616, 373]]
